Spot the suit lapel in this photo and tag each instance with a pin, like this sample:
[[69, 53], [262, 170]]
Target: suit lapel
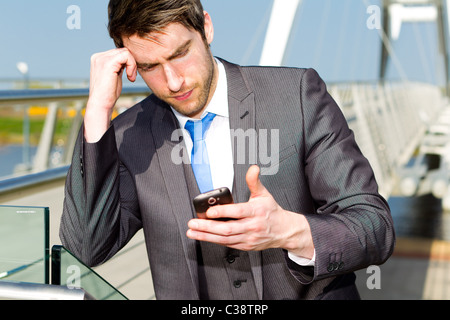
[[241, 105], [169, 139]]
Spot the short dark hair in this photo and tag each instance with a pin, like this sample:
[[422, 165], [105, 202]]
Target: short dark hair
[[140, 17]]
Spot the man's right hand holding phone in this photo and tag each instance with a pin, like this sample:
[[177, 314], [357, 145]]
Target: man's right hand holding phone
[[105, 89], [256, 225]]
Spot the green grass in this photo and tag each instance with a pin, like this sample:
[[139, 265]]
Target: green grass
[[11, 130]]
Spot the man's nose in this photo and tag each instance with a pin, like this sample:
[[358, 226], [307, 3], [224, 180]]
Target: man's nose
[[174, 79]]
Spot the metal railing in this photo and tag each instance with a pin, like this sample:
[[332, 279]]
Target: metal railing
[[36, 291], [32, 180], [18, 97], [390, 122], [40, 170]]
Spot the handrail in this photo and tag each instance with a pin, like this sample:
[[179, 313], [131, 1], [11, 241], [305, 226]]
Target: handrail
[[14, 184], [8, 97], [360, 101], [37, 96], [37, 291]]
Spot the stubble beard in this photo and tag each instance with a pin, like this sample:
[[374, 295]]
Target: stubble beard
[[206, 90]]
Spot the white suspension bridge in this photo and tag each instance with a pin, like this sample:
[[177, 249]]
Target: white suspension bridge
[[395, 123]]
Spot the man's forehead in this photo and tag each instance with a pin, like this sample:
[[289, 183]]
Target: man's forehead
[[171, 34], [143, 40]]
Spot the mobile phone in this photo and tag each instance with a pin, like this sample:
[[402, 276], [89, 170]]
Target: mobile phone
[[204, 201]]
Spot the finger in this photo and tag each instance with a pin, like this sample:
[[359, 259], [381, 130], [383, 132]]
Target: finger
[[238, 241], [216, 232], [254, 183], [221, 228], [214, 238], [230, 211], [123, 60], [129, 63], [131, 69], [120, 73]]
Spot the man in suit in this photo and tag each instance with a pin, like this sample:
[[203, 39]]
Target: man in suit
[[300, 225]]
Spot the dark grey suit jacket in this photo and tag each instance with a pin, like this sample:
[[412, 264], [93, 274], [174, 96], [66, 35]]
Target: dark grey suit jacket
[[128, 181]]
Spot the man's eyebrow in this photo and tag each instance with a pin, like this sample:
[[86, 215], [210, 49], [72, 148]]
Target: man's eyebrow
[[146, 65], [179, 50]]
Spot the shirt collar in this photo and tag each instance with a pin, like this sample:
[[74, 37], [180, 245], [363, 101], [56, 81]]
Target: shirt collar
[[219, 101]]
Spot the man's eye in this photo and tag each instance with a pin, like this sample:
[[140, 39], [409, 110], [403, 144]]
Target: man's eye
[[182, 54], [146, 69]]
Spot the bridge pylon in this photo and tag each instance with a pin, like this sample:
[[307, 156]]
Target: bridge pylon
[[398, 12]]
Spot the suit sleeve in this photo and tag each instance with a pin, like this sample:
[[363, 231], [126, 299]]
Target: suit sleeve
[[100, 213], [352, 227]]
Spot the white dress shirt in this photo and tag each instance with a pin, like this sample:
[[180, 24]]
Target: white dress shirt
[[218, 143], [218, 139]]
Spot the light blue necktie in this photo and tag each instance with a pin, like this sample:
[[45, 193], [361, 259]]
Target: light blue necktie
[[199, 155]]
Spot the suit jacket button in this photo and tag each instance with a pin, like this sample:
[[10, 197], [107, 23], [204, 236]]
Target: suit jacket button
[[330, 267], [231, 258], [237, 283], [341, 266]]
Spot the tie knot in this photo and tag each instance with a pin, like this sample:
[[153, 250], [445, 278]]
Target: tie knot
[[197, 129]]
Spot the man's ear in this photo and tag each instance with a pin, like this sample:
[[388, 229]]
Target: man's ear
[[209, 28]]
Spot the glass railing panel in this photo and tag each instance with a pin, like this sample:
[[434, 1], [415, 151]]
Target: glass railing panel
[[24, 244], [67, 270]]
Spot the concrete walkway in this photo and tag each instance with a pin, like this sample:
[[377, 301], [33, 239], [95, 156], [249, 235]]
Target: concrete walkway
[[418, 270]]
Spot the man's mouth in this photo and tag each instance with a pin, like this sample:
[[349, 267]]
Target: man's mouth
[[184, 96]]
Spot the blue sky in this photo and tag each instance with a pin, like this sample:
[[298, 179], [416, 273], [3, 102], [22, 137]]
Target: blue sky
[[329, 35]]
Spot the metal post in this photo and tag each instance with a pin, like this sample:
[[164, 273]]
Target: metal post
[[278, 32], [41, 161], [384, 49], [443, 44]]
